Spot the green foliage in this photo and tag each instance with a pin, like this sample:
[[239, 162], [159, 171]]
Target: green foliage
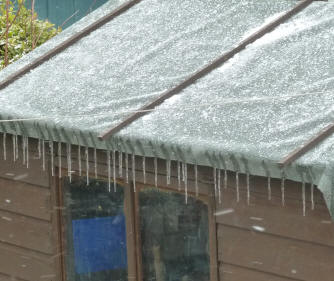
[[25, 33]]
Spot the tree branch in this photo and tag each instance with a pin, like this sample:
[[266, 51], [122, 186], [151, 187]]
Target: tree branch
[[12, 22]]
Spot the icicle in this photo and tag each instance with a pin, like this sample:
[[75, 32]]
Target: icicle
[[178, 175], [23, 150], [27, 150], [225, 178], [185, 171], [95, 163], [304, 199], [114, 169], [283, 190], [269, 188], [4, 146], [215, 180], [144, 169], [59, 158], [133, 164], [219, 187], [120, 164], [312, 196], [248, 188], [43, 155], [69, 161], [39, 149], [237, 186], [127, 168], [79, 160], [52, 159], [168, 164], [87, 165], [109, 170], [17, 148], [14, 148], [196, 179], [155, 171]]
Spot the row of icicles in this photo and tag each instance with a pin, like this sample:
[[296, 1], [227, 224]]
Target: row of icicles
[[182, 169]]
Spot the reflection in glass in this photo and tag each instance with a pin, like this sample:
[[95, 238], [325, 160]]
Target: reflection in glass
[[174, 237], [96, 233]]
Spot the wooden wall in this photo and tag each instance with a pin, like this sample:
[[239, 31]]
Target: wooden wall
[[264, 241], [28, 222]]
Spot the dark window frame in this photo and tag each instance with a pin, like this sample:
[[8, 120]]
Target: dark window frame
[[132, 221], [207, 200]]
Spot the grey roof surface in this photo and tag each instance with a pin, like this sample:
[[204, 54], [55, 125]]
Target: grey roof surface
[[243, 116]]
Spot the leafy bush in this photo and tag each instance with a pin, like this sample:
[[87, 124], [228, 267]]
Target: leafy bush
[[25, 31]]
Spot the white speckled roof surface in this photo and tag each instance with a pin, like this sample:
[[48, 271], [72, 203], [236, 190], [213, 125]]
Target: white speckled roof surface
[[244, 116]]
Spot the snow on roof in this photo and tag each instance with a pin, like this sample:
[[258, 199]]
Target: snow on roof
[[244, 116]]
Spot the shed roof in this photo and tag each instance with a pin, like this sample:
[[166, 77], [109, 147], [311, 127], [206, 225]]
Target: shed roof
[[243, 116]]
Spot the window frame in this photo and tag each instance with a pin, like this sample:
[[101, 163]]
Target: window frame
[[206, 199], [63, 227], [133, 219]]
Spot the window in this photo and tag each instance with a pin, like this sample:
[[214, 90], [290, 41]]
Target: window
[[173, 236], [95, 232], [151, 234]]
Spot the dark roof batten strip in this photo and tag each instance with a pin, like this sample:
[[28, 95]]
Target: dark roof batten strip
[[67, 43], [206, 69], [311, 143]]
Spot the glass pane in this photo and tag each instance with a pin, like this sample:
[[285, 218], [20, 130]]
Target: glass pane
[[174, 237], [96, 233]]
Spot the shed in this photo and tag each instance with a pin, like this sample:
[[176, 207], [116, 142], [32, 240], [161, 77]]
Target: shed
[[156, 140]]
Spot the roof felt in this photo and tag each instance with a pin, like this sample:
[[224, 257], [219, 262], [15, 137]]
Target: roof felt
[[243, 116]]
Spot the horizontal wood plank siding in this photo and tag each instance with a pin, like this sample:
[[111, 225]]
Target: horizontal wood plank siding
[[4, 277], [229, 272], [25, 232], [271, 254], [287, 221], [19, 172], [264, 240], [288, 247], [25, 199], [27, 240], [25, 264]]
